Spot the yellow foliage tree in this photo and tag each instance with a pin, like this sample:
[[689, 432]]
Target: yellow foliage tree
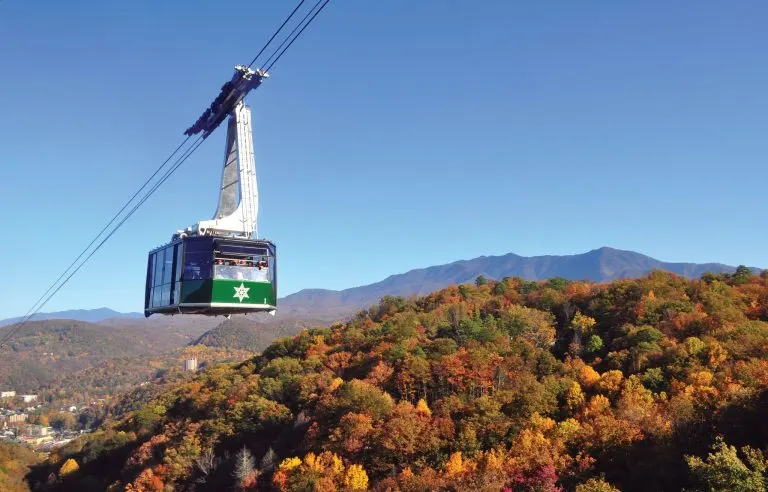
[[716, 354], [423, 408], [289, 464], [493, 460], [598, 404], [455, 464], [330, 463], [574, 399], [540, 423], [311, 462], [583, 324], [531, 449], [588, 377], [356, 478], [700, 378], [325, 471], [335, 384], [568, 429], [610, 382], [69, 466], [596, 485]]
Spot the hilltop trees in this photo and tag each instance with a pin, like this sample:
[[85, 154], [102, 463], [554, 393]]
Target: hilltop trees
[[724, 470], [501, 385], [15, 460]]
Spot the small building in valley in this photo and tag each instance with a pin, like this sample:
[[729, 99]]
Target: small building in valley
[[190, 364]]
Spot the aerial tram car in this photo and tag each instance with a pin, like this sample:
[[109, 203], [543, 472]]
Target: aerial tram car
[[218, 266]]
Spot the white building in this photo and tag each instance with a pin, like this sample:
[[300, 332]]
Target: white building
[[190, 364], [28, 398], [7, 394], [38, 430]]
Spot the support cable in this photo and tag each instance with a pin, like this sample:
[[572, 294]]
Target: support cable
[[270, 62], [190, 150], [111, 221], [250, 65]]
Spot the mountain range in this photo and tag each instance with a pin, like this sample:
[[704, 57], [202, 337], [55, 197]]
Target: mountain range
[[88, 315], [599, 265]]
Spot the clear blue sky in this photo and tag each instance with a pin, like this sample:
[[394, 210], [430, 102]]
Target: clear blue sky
[[393, 135]]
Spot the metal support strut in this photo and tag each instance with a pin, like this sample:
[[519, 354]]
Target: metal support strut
[[237, 213]]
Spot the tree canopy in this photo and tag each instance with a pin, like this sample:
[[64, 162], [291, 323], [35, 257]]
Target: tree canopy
[[648, 384]]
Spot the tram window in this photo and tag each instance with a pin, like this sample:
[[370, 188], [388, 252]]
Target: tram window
[[151, 271], [168, 265], [177, 256], [177, 281], [176, 293], [241, 272], [165, 294], [159, 261], [150, 280], [191, 271], [197, 266]]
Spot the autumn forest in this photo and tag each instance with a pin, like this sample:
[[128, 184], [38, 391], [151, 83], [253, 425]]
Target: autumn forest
[[657, 383]]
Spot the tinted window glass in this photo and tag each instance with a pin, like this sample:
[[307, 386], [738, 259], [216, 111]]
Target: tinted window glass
[[176, 292], [177, 261], [159, 260], [199, 245], [165, 296], [197, 266], [168, 268], [151, 271]]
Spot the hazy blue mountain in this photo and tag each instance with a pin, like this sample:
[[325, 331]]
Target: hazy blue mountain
[[598, 265], [88, 315]]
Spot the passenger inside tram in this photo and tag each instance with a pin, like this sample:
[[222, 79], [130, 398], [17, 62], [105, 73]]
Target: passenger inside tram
[[241, 269], [262, 270]]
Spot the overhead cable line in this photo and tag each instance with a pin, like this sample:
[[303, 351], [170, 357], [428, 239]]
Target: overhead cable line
[[157, 185], [67, 275], [54, 287], [270, 62], [111, 221], [250, 65]]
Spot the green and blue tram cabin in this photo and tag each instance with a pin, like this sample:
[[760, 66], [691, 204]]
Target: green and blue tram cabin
[[212, 276]]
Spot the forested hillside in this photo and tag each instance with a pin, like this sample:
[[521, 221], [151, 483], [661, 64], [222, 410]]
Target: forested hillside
[[657, 383], [244, 333], [115, 376], [42, 350]]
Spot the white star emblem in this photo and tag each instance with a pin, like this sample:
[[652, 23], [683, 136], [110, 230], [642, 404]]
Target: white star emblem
[[241, 292]]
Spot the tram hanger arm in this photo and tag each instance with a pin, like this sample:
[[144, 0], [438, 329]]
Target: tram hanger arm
[[232, 92]]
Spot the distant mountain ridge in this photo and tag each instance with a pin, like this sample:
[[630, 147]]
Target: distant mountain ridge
[[87, 315], [599, 265]]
